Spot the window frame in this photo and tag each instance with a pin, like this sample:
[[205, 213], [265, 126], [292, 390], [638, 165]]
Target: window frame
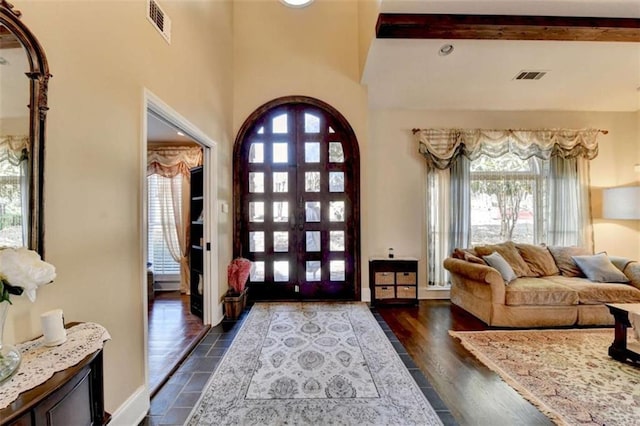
[[534, 174]]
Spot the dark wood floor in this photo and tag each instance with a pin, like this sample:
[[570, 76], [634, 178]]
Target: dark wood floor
[[474, 394], [173, 332]]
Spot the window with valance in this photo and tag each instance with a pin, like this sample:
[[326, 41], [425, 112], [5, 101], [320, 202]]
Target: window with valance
[[168, 183], [487, 186], [14, 203]]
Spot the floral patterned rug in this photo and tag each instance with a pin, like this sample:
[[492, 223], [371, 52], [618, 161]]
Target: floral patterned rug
[[567, 374], [312, 363]]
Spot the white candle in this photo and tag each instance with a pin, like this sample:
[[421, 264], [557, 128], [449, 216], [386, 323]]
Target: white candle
[[53, 327]]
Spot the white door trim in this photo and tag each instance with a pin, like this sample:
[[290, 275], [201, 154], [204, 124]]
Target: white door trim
[[212, 308]]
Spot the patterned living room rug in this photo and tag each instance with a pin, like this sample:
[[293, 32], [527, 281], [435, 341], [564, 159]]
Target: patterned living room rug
[[315, 364], [567, 374]]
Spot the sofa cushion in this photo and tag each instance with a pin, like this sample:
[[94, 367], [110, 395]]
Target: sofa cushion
[[591, 293], [467, 255], [496, 261], [539, 291], [599, 268], [566, 265], [538, 259], [510, 253]]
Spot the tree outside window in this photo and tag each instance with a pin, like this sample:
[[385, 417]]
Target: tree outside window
[[505, 199]]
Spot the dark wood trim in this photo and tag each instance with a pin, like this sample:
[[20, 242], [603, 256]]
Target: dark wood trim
[[30, 399], [39, 82], [244, 131], [507, 27]]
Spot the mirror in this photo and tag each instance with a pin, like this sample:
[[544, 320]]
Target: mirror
[[24, 76]]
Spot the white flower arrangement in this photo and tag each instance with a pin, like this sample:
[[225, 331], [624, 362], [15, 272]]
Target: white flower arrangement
[[22, 270]]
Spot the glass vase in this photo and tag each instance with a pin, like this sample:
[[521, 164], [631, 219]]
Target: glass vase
[[9, 355]]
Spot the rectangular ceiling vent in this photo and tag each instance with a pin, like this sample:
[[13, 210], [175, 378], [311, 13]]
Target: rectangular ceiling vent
[[530, 75], [159, 19]]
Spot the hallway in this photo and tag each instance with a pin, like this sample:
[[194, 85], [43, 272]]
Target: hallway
[[173, 332]]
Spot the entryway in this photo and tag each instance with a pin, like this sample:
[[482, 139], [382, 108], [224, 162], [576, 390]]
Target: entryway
[[178, 219], [297, 213]]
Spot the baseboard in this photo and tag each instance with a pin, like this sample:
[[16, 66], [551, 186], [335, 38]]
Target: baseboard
[[166, 286], [438, 294], [133, 410], [365, 294]]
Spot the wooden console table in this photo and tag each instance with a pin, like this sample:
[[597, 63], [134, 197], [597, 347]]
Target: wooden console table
[[74, 396], [618, 349]]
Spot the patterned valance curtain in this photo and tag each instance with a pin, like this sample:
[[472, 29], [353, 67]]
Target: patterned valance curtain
[[172, 163], [171, 160], [441, 146], [449, 152], [14, 149]]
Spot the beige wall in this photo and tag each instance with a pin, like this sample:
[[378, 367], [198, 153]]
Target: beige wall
[[396, 206], [14, 126], [279, 51], [368, 11], [102, 54], [226, 59]]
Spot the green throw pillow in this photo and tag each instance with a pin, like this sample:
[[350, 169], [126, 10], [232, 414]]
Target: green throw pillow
[[599, 268]]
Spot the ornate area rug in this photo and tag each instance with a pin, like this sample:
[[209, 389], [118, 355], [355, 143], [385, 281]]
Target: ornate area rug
[[312, 363], [567, 374]]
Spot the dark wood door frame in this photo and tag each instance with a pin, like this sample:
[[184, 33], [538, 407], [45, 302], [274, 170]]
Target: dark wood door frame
[[250, 124]]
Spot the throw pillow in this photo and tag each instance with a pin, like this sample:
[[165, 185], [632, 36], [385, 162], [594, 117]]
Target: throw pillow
[[620, 262], [538, 259], [457, 254], [599, 268], [498, 262], [509, 252], [466, 255], [473, 259], [562, 256]]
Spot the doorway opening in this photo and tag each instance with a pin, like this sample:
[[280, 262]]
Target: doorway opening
[[297, 202], [178, 237]]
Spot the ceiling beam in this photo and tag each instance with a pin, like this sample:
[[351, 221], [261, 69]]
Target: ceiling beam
[[506, 27]]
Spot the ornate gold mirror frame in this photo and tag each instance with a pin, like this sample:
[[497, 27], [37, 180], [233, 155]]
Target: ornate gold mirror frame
[[12, 28]]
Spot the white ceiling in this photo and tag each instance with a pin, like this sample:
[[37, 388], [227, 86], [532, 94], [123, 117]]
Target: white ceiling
[[14, 84], [479, 74], [158, 130]]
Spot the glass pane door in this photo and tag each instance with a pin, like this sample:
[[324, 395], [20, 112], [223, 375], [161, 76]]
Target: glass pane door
[[297, 206]]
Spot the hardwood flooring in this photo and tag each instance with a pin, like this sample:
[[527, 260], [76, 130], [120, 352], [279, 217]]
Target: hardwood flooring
[[173, 332], [471, 393], [474, 394]]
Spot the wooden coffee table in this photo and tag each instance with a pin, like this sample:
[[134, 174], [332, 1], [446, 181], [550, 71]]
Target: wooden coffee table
[[618, 349]]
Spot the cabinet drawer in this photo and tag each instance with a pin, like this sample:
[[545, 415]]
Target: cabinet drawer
[[406, 278], [384, 278], [384, 292], [407, 292]]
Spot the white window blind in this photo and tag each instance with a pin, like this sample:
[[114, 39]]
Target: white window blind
[[158, 253]]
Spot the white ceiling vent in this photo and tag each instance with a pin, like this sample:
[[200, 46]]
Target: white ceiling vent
[[530, 75], [159, 19]]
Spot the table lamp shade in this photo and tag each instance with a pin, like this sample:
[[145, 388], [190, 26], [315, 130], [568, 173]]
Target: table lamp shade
[[621, 203]]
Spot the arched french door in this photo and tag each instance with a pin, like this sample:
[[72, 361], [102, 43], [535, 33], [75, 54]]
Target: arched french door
[[296, 202]]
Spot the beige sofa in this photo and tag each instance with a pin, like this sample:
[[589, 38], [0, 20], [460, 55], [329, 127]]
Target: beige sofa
[[546, 293]]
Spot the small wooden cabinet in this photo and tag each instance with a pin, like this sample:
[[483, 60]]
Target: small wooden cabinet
[[73, 396], [197, 241], [393, 281]]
